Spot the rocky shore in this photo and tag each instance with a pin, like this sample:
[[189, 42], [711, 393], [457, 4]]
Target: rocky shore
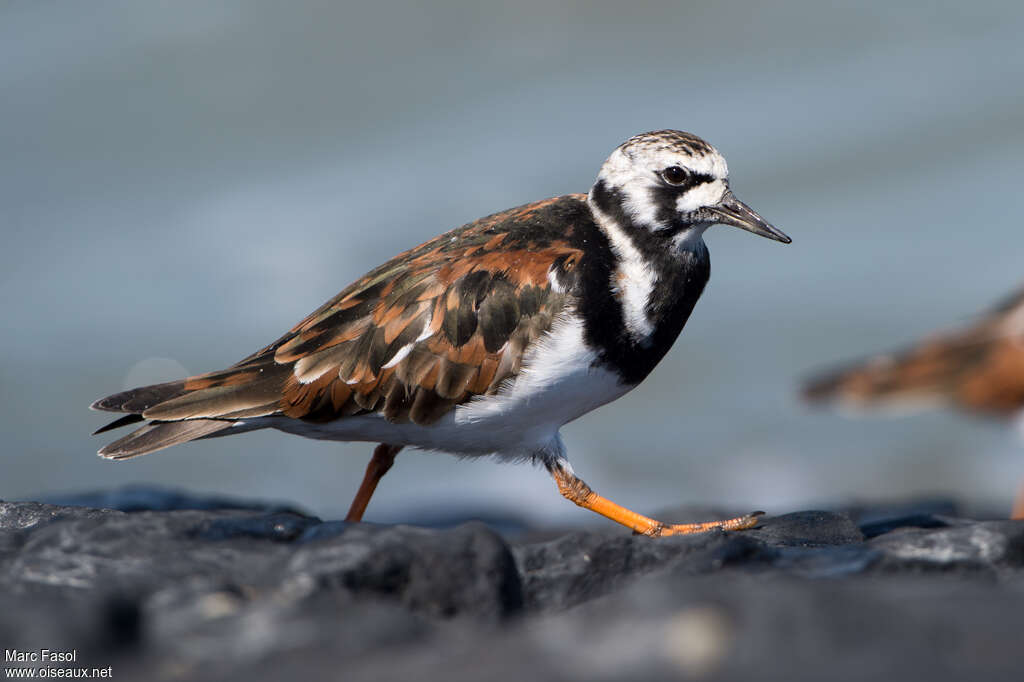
[[160, 585]]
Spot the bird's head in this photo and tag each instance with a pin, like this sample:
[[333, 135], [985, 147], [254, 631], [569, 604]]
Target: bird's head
[[673, 184]]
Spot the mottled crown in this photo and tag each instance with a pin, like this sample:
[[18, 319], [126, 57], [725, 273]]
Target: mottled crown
[[666, 141]]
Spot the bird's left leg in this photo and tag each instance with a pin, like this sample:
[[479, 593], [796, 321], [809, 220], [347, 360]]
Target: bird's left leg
[[383, 458], [574, 489]]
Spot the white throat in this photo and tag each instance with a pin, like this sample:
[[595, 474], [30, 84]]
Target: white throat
[[633, 279]]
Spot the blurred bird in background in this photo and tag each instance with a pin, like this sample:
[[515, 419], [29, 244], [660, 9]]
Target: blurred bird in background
[[978, 368]]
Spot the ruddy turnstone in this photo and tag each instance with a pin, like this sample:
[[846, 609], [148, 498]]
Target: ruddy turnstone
[[486, 339], [978, 368]]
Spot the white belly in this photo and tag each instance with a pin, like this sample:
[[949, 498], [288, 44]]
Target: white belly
[[557, 384]]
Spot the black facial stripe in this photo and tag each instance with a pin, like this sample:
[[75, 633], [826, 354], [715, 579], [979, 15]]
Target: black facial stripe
[[697, 179], [609, 201], [693, 180], [664, 197]]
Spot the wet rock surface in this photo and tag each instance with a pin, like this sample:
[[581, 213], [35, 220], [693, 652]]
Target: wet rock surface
[[185, 587]]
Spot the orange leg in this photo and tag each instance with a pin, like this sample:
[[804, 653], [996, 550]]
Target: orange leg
[[383, 458], [1018, 505], [575, 490]]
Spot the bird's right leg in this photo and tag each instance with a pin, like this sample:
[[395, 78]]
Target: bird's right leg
[[383, 458], [574, 489]]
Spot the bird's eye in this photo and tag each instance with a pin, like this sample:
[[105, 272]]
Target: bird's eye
[[674, 175]]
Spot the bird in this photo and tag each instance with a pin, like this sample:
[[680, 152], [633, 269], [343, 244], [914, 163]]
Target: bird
[[487, 339], [977, 368]]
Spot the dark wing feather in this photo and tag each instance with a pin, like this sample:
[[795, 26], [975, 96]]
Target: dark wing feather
[[430, 329]]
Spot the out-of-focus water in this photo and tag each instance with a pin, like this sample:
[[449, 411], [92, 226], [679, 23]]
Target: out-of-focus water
[[180, 182]]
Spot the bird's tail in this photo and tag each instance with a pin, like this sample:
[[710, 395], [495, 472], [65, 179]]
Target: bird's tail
[[197, 407], [159, 435]]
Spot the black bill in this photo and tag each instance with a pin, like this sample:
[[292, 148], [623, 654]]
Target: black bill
[[732, 211]]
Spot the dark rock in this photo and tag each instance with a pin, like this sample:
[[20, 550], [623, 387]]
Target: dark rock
[[134, 553], [19, 516], [826, 562], [887, 525], [97, 622], [18, 519], [509, 523], [280, 527], [466, 570], [226, 635], [132, 498], [579, 566], [742, 627], [270, 593], [869, 513], [981, 546], [325, 530], [808, 529]]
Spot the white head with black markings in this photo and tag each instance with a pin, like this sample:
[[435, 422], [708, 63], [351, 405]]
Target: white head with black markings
[[672, 183]]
